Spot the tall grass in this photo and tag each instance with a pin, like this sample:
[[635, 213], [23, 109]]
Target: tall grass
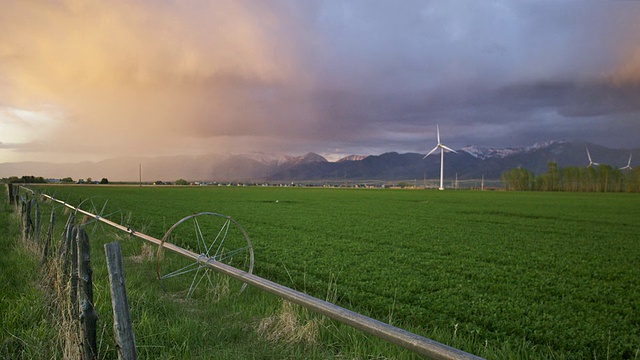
[[26, 318]]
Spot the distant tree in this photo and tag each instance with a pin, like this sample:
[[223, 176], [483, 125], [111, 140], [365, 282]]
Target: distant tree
[[554, 176], [66, 180], [104, 181], [632, 180], [570, 178], [182, 182], [518, 179], [603, 178], [30, 179], [617, 180]]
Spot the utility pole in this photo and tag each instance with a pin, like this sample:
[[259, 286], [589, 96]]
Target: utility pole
[[140, 173], [425, 179]]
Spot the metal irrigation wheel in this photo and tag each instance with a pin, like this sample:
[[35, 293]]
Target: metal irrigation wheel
[[215, 237], [102, 208]]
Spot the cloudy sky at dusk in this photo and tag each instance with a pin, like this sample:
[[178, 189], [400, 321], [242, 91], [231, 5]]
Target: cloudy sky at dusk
[[89, 80]]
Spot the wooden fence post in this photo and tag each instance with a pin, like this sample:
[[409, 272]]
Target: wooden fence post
[[65, 235], [125, 339], [88, 317], [16, 197], [45, 252], [72, 233], [73, 298], [36, 227], [12, 199], [26, 219]]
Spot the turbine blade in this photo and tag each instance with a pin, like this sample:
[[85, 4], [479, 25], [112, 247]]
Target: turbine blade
[[438, 132], [431, 152], [588, 155], [447, 148]]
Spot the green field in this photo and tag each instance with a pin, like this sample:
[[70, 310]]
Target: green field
[[547, 274]]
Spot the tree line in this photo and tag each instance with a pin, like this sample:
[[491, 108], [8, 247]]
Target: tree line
[[30, 179], [602, 178], [25, 179]]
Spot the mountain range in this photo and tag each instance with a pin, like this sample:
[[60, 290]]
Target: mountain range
[[470, 162]]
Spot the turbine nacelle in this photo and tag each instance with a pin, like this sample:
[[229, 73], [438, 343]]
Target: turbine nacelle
[[439, 145]]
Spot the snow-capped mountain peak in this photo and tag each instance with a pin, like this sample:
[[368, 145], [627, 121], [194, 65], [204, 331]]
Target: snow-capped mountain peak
[[481, 152], [352, 158]]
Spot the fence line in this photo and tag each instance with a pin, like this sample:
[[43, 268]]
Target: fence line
[[392, 334]]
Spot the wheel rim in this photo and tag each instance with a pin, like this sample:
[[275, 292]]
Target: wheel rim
[[215, 237]]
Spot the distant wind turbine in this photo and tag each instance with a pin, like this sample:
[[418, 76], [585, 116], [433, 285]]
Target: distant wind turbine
[[442, 148], [591, 163], [628, 167]]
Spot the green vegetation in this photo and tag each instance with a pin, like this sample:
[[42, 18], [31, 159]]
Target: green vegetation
[[25, 331], [26, 179], [602, 178], [498, 274]]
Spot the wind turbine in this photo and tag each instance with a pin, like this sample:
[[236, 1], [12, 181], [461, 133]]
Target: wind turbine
[[628, 167], [442, 148], [591, 163]]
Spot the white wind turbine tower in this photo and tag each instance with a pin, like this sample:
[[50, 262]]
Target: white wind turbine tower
[[628, 167], [442, 148], [591, 163]]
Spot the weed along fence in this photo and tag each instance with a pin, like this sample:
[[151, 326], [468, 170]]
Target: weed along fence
[[70, 274], [234, 260]]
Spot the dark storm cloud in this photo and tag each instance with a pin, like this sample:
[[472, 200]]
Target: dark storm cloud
[[331, 76]]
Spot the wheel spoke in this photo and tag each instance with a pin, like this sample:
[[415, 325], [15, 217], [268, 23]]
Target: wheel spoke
[[230, 254], [194, 287], [180, 271], [103, 208], [230, 242], [202, 246], [193, 282], [209, 279], [225, 227]]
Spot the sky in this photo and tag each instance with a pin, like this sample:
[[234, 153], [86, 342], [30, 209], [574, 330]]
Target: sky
[[86, 80]]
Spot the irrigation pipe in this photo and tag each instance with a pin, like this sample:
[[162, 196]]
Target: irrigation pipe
[[392, 334]]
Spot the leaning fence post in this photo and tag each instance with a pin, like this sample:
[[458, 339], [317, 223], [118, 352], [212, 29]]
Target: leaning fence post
[[73, 298], [26, 219], [88, 316], [45, 252], [12, 199], [72, 233], [125, 339], [65, 235], [36, 230]]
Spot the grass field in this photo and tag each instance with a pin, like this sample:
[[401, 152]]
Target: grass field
[[498, 274]]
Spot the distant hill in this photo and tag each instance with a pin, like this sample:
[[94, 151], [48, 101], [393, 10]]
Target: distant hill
[[470, 162]]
